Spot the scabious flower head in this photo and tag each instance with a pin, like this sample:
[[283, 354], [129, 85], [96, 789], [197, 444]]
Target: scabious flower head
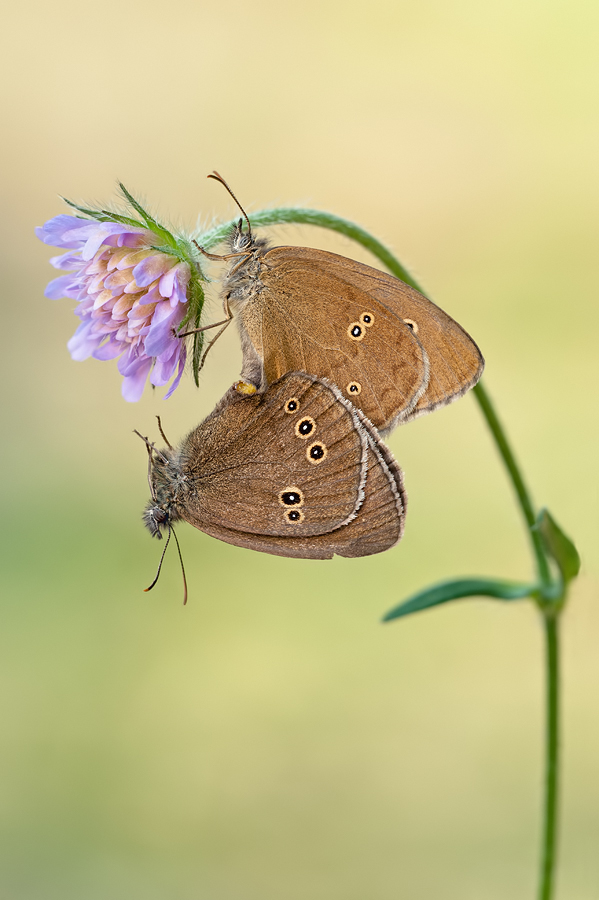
[[136, 286]]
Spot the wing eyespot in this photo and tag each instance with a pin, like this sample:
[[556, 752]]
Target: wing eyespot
[[412, 324], [292, 405], [354, 387], [355, 331], [367, 319], [294, 516], [305, 427], [291, 496], [316, 453]]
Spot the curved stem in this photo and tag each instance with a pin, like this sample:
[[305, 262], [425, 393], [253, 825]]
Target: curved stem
[[550, 611], [289, 215], [292, 215], [520, 488], [549, 842]]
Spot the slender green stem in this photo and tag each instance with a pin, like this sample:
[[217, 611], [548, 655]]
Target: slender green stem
[[549, 845], [549, 608], [524, 500]]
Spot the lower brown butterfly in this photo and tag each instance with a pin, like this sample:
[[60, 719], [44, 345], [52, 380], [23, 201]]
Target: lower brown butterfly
[[389, 350], [294, 471]]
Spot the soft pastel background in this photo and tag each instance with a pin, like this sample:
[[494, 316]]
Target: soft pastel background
[[273, 740]]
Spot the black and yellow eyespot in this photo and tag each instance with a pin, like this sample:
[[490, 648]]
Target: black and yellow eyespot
[[367, 319], [354, 387], [355, 331], [412, 324], [305, 427], [316, 453], [291, 496], [292, 405], [294, 516]]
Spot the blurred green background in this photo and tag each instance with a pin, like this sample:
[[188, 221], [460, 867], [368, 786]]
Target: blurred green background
[[272, 739]]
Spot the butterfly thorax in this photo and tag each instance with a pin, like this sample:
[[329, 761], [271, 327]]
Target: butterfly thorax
[[242, 281], [169, 488]]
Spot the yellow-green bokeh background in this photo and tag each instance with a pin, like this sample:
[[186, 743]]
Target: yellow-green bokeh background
[[273, 740]]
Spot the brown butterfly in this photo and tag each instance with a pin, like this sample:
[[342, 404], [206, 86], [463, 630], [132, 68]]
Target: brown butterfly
[[293, 471], [389, 350]]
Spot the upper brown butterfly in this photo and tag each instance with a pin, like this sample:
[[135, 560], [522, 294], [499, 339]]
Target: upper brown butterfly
[[389, 350]]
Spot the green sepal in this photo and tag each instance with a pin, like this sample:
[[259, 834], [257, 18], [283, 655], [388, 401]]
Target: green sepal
[[558, 545], [150, 222], [104, 215], [195, 293], [461, 587]]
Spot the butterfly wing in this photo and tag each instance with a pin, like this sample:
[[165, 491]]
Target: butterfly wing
[[305, 317], [289, 462], [378, 525], [454, 361]]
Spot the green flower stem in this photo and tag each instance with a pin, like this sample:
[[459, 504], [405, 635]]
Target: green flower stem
[[518, 482], [549, 845], [549, 588]]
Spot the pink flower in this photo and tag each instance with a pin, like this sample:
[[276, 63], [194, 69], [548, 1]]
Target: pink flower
[[131, 297]]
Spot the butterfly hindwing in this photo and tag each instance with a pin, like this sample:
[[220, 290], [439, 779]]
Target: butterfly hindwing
[[289, 462], [377, 526]]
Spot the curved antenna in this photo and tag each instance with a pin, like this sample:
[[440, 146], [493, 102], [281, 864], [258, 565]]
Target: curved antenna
[[171, 530], [182, 566], [220, 178], [161, 560]]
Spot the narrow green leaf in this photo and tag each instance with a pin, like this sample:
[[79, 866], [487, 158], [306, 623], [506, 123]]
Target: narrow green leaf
[[150, 221], [461, 587], [558, 545], [104, 215]]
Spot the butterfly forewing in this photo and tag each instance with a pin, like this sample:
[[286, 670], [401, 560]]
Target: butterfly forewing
[[290, 462], [377, 526]]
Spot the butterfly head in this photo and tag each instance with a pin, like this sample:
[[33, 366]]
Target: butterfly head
[[167, 485], [242, 240]]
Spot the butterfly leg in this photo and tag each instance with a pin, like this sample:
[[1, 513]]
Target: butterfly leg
[[166, 440], [225, 323], [204, 328], [219, 256]]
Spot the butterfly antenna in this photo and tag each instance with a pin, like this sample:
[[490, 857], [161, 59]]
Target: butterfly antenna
[[220, 178], [182, 566], [170, 531]]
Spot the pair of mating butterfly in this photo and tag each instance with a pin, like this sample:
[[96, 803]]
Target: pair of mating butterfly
[[291, 461]]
